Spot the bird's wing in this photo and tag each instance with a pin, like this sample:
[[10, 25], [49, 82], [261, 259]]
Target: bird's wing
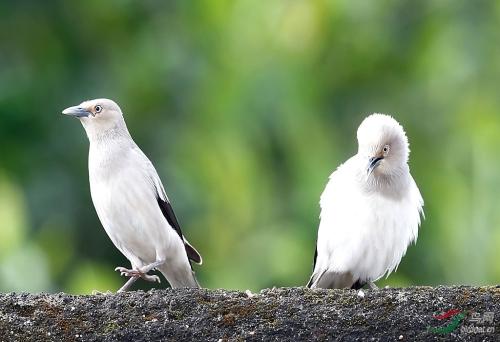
[[417, 197], [318, 273], [166, 208], [168, 212], [327, 240]]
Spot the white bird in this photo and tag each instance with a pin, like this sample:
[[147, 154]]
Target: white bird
[[130, 200], [370, 210]]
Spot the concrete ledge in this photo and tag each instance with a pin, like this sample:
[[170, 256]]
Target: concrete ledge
[[274, 314]]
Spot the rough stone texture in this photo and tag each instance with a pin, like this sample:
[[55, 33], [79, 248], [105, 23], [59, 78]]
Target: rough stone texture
[[276, 314]]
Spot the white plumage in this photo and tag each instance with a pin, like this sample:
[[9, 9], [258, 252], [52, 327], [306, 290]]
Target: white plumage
[[370, 210], [130, 200]]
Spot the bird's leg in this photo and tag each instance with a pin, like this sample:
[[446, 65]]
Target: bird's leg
[[137, 274], [148, 268], [152, 266], [129, 283], [96, 292], [372, 285], [140, 273]]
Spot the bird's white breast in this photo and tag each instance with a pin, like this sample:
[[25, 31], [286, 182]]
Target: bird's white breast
[[365, 233], [126, 202]]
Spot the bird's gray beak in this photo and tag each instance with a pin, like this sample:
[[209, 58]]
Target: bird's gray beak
[[373, 162], [77, 111]]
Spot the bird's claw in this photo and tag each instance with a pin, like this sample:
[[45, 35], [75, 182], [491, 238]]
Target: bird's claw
[[96, 292], [151, 278], [125, 272]]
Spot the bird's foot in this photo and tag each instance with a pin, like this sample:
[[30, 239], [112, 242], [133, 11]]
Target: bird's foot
[[372, 285], [96, 292], [125, 272], [151, 278], [137, 274]]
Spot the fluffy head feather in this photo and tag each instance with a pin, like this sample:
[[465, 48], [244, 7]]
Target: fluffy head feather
[[99, 117], [383, 142]]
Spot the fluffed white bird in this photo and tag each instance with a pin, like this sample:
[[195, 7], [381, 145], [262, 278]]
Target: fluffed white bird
[[130, 200], [370, 210]]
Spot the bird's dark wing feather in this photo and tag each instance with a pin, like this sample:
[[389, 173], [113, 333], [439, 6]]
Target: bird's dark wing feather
[[315, 257], [311, 281], [168, 212]]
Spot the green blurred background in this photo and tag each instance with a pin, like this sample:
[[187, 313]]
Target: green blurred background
[[245, 108]]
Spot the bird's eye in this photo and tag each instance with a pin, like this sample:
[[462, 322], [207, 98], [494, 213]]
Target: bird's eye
[[98, 108], [386, 149]]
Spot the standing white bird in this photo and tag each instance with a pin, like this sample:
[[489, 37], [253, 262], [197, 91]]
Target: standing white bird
[[130, 200], [370, 210]]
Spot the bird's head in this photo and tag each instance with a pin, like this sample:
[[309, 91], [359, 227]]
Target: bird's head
[[383, 142], [97, 115]]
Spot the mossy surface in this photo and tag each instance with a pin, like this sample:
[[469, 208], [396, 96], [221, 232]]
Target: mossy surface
[[292, 314]]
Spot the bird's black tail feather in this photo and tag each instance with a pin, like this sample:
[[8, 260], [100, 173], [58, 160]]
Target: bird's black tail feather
[[358, 284]]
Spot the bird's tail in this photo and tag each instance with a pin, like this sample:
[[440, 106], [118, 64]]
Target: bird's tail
[[179, 276], [314, 280], [331, 280]]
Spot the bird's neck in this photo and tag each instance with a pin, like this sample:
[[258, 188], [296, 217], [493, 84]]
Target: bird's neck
[[105, 135], [108, 153], [108, 143], [393, 185]]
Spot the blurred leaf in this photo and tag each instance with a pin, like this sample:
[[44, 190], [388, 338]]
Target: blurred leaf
[[12, 217], [87, 276], [25, 269]]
